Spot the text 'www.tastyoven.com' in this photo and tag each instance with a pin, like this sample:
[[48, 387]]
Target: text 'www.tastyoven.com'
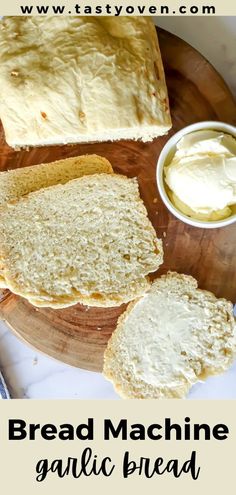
[[117, 10]]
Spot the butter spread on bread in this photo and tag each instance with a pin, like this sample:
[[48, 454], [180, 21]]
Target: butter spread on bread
[[173, 336]]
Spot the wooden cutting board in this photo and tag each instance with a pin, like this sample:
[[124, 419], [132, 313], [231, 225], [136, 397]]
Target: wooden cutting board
[[78, 335]]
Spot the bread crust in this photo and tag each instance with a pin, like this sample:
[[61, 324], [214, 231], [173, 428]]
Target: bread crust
[[96, 300]]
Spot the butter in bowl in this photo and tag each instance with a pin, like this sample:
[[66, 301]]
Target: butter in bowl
[[196, 174]]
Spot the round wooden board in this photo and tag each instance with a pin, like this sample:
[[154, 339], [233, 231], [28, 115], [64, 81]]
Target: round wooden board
[[78, 335]]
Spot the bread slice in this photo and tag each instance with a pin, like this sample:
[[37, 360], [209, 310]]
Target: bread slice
[[87, 241], [173, 336], [81, 79], [21, 181]]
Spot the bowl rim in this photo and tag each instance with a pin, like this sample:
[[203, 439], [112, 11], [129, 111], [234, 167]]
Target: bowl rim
[[171, 143]]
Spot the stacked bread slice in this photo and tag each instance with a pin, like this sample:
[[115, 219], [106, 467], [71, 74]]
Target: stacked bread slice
[[173, 336], [21, 181], [88, 240]]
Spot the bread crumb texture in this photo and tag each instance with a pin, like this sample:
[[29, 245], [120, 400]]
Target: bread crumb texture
[[89, 240], [21, 181], [173, 336], [81, 79]]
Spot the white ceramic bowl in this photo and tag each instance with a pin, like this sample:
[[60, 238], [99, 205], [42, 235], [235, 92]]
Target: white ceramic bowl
[[166, 155]]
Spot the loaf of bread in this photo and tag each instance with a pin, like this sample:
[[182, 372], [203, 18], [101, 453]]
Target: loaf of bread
[[81, 79], [87, 241], [21, 181], [175, 335]]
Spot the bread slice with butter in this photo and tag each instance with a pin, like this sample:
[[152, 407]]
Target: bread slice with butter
[[76, 79], [175, 335], [88, 241], [21, 181]]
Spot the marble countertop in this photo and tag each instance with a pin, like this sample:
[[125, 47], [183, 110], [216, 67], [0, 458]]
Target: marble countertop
[[32, 375]]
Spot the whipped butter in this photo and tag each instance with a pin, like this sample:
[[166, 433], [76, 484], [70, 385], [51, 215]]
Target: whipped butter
[[201, 176]]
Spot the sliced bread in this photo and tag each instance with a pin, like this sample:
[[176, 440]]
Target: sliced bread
[[173, 336], [76, 79], [18, 182], [21, 181], [89, 241]]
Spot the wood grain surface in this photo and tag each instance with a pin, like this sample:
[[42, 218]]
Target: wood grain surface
[[78, 335]]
